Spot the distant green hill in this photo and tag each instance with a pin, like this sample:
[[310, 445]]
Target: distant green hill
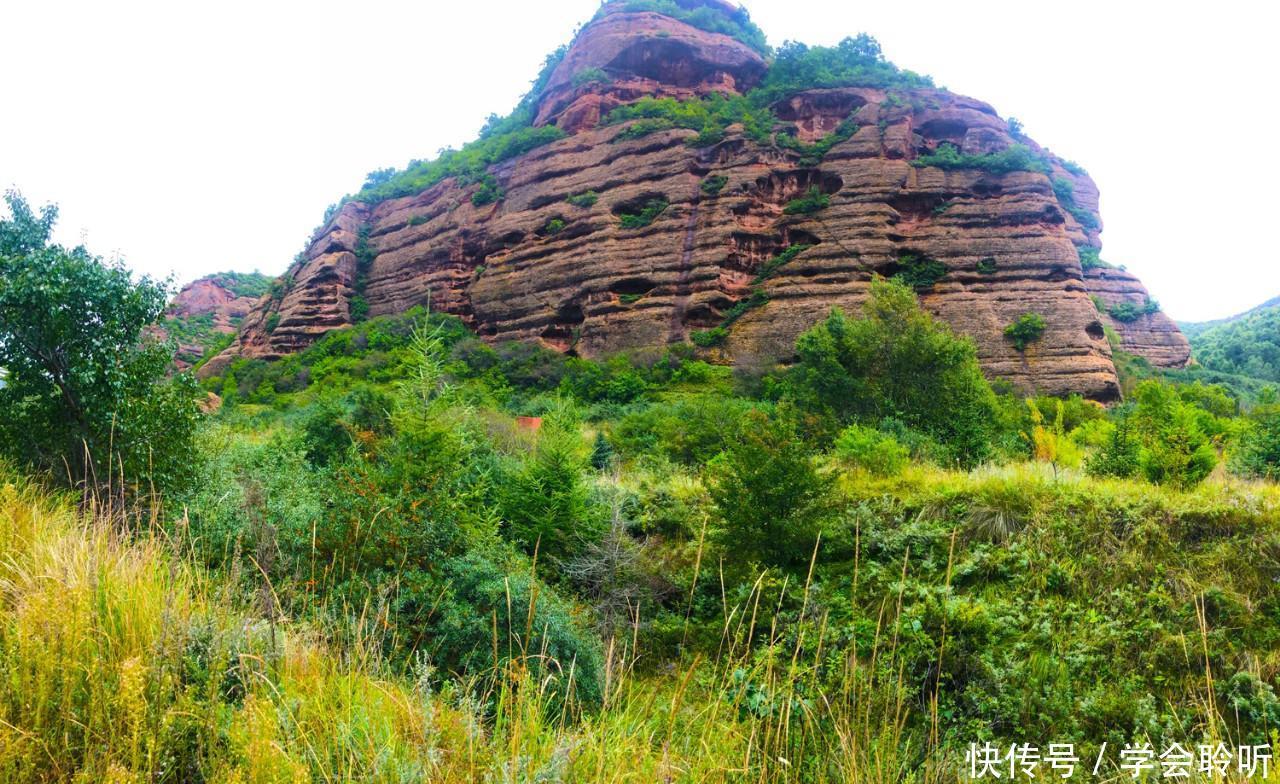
[[1247, 344]]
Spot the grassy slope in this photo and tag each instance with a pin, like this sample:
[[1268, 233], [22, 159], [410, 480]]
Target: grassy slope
[[122, 663]]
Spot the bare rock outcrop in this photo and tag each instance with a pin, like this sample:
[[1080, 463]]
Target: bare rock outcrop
[[533, 266]]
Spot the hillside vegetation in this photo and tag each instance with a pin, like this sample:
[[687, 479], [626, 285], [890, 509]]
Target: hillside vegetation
[[1247, 345]]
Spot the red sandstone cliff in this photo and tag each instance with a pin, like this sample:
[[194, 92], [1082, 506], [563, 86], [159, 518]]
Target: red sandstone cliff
[[1008, 244]]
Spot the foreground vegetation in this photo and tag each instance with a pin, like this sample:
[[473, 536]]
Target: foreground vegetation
[[404, 554]]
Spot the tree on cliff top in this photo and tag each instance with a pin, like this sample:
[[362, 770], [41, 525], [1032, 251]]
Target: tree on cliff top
[[86, 394]]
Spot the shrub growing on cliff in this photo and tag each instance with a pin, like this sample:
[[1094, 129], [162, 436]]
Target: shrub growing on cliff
[[1025, 330], [1017, 157], [919, 273], [812, 201], [584, 199], [896, 361], [1132, 311], [647, 214], [86, 393], [854, 62]]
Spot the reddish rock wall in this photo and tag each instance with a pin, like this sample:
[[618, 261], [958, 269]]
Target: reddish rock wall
[[1008, 245]]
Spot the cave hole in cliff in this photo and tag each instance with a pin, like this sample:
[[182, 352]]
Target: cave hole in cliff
[[664, 60], [813, 107], [912, 207], [985, 188], [780, 187], [942, 130], [632, 287], [1095, 330]]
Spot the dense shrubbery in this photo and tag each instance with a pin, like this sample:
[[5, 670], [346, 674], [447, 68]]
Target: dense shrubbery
[[85, 393], [896, 361], [1248, 345], [812, 201], [1017, 157], [736, 25], [709, 116], [1132, 311], [854, 62]]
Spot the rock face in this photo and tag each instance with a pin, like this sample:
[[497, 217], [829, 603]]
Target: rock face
[[208, 308], [1154, 336], [535, 267]]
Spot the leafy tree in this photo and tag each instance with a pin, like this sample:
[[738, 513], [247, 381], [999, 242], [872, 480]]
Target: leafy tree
[[1257, 454], [543, 501], [1175, 449], [768, 493], [87, 392], [897, 362]]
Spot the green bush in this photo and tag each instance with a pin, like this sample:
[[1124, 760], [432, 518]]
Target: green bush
[[919, 273], [1257, 454], [1025, 330], [769, 496], [584, 199], [1132, 311], [707, 338], [488, 192], [648, 213], [1017, 157], [854, 62], [987, 266], [898, 362], [543, 499], [554, 226], [871, 450], [812, 201], [1175, 449], [591, 76], [710, 116], [711, 186], [777, 262]]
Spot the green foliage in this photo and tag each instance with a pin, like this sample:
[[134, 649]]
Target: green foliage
[[1017, 157], [1075, 168], [543, 500], [86, 394], [1174, 448], [1089, 258], [488, 192], [273, 321], [554, 226], [584, 199], [812, 201], [648, 213], [1257, 455], [1025, 330], [708, 338], [1131, 311], [737, 25], [919, 273], [812, 154], [854, 62], [416, 220], [1248, 345], [987, 266], [777, 262], [871, 450], [591, 76], [710, 116], [769, 496], [1066, 194], [468, 164], [712, 185], [897, 362]]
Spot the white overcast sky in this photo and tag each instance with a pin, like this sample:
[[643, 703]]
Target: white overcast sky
[[196, 137]]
